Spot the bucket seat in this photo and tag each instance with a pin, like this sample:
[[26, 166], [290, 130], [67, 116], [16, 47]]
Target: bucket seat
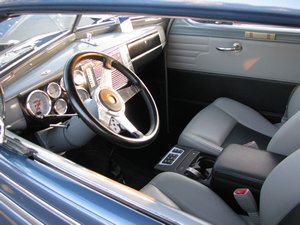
[[227, 121]]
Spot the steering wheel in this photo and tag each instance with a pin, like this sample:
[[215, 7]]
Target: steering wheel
[[110, 103]]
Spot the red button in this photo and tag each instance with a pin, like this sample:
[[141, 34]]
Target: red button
[[241, 191]]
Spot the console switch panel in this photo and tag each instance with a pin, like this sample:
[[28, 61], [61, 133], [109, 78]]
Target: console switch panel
[[172, 156]]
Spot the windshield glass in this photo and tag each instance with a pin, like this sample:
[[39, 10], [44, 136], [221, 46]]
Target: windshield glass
[[22, 34], [94, 20], [20, 28]]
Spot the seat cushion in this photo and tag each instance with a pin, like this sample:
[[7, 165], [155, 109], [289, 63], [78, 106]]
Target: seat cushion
[[216, 124], [191, 197]]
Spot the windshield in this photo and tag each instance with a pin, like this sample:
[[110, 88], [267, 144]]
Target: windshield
[[22, 34], [20, 28]]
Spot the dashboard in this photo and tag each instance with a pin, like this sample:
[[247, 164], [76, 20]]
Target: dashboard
[[52, 99], [39, 98]]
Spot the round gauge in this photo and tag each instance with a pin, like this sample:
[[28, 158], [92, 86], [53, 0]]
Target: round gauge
[[38, 103], [83, 94], [60, 106], [62, 84], [53, 90], [79, 78]]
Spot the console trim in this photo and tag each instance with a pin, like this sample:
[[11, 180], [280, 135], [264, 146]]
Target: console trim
[[172, 151]]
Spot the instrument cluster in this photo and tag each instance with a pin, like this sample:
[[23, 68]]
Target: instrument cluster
[[52, 98]]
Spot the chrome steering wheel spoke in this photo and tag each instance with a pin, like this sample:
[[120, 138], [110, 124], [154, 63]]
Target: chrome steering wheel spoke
[[106, 79], [128, 92], [104, 117]]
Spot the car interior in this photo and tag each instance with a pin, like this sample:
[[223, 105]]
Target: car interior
[[196, 113]]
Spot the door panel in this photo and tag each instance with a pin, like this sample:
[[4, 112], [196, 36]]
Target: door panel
[[257, 59], [261, 75]]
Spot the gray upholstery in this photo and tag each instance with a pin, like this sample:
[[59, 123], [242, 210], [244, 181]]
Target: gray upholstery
[[287, 139], [192, 197], [209, 129], [280, 195], [293, 106]]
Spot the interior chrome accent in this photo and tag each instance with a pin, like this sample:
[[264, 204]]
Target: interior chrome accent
[[54, 90], [60, 106], [59, 125], [62, 115], [46, 103], [236, 47]]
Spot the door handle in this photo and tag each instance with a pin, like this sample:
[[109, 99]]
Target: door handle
[[236, 47]]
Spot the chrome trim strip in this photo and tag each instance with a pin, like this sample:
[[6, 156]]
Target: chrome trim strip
[[119, 192], [145, 53], [247, 26], [43, 203], [20, 211]]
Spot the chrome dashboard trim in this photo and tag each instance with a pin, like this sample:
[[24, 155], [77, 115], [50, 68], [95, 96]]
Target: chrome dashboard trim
[[147, 52]]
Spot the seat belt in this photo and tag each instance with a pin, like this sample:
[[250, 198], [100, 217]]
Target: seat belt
[[246, 201]]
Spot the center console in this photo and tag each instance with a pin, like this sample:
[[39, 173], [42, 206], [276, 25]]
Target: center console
[[189, 162], [237, 166]]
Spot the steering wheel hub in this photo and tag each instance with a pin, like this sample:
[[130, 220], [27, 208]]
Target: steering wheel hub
[[110, 100]]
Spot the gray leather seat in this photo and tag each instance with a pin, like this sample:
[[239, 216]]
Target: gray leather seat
[[279, 199], [226, 121]]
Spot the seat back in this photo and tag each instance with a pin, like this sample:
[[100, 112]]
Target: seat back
[[293, 105], [280, 194], [287, 139]]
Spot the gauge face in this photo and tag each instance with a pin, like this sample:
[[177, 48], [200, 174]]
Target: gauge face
[[79, 78], [83, 94], [60, 106], [53, 90], [38, 103], [62, 84]]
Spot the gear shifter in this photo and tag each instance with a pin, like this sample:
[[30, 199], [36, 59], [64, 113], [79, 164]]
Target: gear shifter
[[200, 170], [193, 173]]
